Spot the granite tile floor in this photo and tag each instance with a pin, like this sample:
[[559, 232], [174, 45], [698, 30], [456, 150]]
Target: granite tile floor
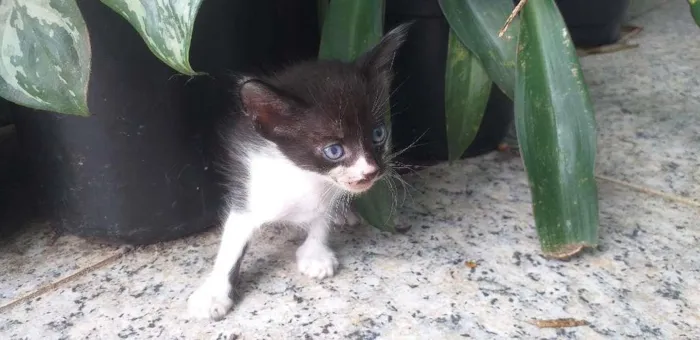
[[641, 282], [648, 105]]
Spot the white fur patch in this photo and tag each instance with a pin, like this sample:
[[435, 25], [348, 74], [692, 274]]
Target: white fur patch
[[348, 218], [278, 191], [348, 177], [316, 260], [210, 300], [361, 168]]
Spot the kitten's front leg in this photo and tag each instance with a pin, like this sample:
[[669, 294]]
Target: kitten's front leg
[[212, 299], [314, 257], [347, 217]]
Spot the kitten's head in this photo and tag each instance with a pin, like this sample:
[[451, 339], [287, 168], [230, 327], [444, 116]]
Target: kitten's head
[[328, 116]]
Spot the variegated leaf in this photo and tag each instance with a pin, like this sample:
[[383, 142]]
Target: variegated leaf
[[165, 25], [44, 55]]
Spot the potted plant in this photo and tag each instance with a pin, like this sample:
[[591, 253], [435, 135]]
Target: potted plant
[[695, 10], [119, 195], [524, 48], [116, 103], [556, 129], [420, 65]]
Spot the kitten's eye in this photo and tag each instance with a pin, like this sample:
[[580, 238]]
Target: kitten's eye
[[333, 152], [379, 134]]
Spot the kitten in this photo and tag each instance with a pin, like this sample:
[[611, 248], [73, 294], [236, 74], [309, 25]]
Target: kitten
[[309, 139]]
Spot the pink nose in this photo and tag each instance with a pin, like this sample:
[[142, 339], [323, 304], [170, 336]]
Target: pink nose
[[370, 172]]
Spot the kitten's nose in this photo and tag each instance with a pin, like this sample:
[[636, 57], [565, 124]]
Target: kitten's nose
[[369, 172], [365, 170]]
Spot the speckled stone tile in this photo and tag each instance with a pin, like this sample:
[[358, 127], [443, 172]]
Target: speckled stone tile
[[648, 104], [641, 283], [640, 7], [33, 257]]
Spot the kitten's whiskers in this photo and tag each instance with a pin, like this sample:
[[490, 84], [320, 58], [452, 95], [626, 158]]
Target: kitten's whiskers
[[392, 156]]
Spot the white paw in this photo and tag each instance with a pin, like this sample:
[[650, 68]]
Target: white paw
[[210, 300], [349, 218], [316, 260]]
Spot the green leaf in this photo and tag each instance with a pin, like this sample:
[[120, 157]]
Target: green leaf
[[477, 23], [350, 28], [695, 10], [467, 90], [377, 206], [44, 55], [165, 25], [557, 133], [321, 10]]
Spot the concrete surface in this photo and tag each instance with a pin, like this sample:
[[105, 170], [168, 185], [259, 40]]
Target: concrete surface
[[642, 281]]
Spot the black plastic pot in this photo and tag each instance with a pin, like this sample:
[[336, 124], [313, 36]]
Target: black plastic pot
[[593, 22], [141, 169], [15, 209], [419, 99], [420, 67]]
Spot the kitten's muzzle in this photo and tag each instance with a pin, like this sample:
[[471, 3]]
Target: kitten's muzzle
[[357, 177], [364, 183]]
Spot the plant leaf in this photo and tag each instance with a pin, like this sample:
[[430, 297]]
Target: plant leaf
[[321, 9], [467, 90], [377, 206], [165, 25], [695, 10], [557, 133], [350, 28], [44, 55], [476, 23]]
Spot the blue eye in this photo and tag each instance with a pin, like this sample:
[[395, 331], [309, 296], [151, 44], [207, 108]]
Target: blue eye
[[333, 152], [379, 134]]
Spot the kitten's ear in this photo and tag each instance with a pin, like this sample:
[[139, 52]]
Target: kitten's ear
[[266, 105], [377, 62]]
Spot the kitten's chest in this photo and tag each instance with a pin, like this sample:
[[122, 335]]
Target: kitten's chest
[[284, 192]]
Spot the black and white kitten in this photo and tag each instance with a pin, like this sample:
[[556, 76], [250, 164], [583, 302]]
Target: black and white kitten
[[308, 139]]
